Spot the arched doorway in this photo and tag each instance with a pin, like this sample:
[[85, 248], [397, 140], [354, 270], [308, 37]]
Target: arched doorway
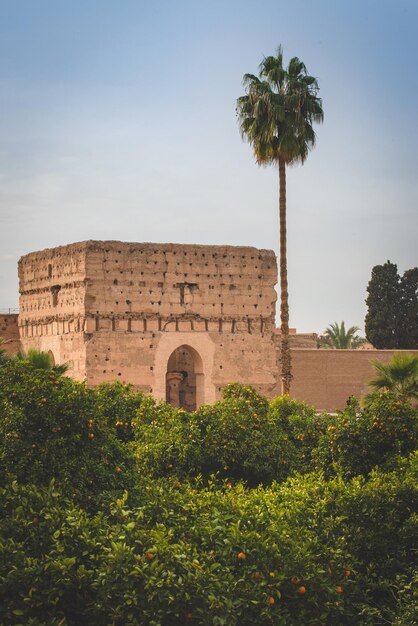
[[51, 358], [184, 378]]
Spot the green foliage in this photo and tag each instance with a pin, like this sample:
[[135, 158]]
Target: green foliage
[[42, 360], [399, 376], [303, 427], [51, 428], [358, 440], [240, 441], [392, 316], [409, 307], [185, 546], [277, 113], [309, 551], [337, 337], [3, 353], [236, 438], [119, 404]]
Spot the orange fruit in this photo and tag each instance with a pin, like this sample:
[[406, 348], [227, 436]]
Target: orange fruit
[[339, 589], [302, 590], [347, 573], [149, 556], [241, 556], [271, 600]]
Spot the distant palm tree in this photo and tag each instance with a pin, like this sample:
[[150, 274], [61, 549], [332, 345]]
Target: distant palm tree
[[276, 116], [335, 337], [42, 360], [400, 376]]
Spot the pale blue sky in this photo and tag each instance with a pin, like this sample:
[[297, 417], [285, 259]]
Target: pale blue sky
[[117, 121]]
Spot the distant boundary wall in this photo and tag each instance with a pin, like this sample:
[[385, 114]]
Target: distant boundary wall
[[327, 378], [9, 331]]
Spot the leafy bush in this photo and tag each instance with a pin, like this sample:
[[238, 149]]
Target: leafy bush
[[308, 551], [357, 440], [183, 545], [119, 404], [236, 438], [51, 428], [304, 428]]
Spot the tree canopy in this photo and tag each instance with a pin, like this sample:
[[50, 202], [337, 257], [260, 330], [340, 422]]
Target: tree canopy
[[337, 337], [392, 317]]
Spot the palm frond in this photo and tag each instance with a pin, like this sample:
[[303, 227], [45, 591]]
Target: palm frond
[[277, 113], [341, 339], [400, 376]]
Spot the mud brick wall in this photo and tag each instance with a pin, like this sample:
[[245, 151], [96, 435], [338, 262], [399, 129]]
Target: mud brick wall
[[52, 287], [119, 310], [326, 378], [9, 332]]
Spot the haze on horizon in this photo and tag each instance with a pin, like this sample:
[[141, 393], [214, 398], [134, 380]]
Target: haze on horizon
[[118, 122]]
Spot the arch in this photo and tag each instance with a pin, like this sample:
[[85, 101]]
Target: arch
[[202, 349], [184, 378], [51, 358]]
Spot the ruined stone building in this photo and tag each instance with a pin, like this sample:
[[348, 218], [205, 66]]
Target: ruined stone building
[[178, 321]]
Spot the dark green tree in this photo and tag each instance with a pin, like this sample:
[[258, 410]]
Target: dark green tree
[[409, 287], [276, 117], [382, 323], [392, 317]]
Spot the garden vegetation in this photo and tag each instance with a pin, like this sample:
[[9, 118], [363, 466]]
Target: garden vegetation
[[117, 510]]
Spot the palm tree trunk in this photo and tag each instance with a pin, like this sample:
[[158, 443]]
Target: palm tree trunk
[[285, 358]]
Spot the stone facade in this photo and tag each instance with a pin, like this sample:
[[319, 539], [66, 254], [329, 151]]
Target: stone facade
[[177, 321]]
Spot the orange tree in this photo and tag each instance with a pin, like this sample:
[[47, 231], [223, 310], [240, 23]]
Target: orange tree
[[119, 405], [308, 551], [236, 438], [51, 428], [357, 440]]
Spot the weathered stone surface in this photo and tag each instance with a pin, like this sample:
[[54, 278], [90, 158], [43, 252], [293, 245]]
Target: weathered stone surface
[[9, 332], [122, 310]]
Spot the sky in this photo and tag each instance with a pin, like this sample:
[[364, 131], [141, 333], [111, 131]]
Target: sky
[[117, 121]]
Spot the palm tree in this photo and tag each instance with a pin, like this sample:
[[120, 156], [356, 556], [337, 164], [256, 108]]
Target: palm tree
[[337, 338], [400, 376], [276, 117], [42, 360]]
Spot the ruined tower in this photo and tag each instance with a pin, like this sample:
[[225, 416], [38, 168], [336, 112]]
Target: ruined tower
[[178, 321]]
